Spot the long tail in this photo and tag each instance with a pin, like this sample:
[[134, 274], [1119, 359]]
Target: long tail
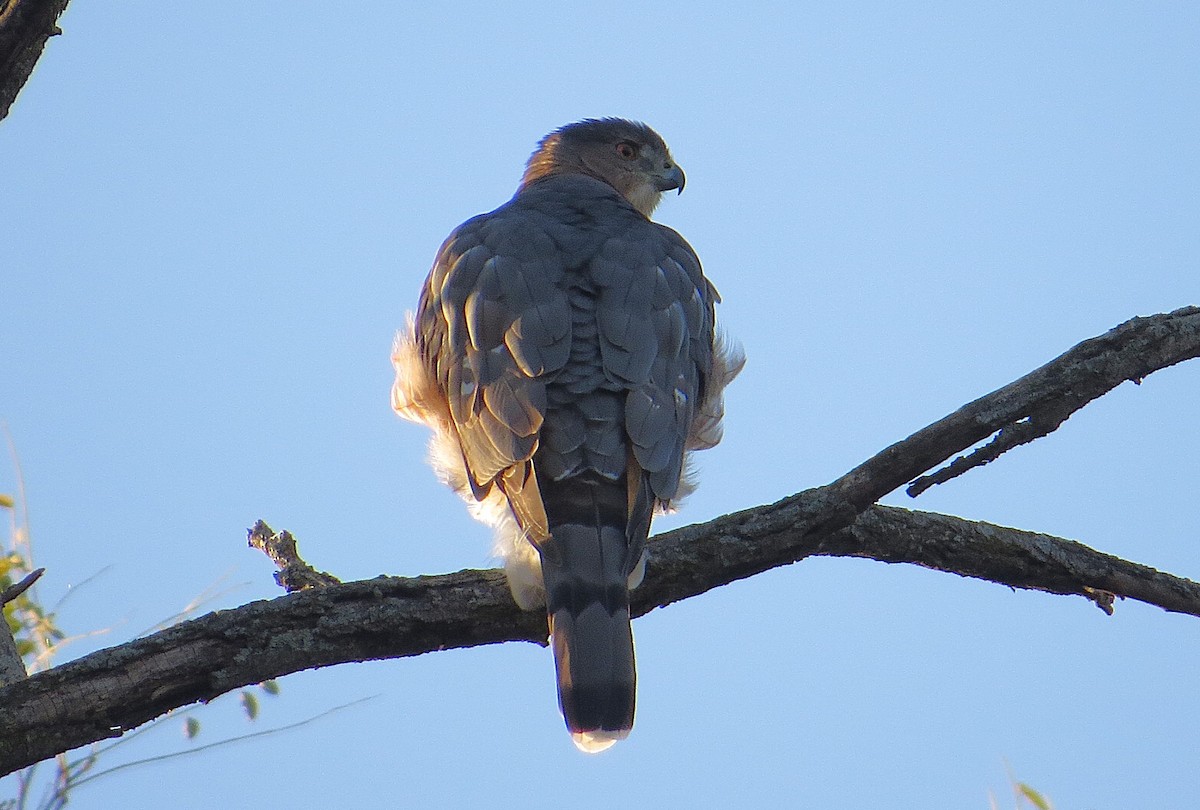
[[586, 569]]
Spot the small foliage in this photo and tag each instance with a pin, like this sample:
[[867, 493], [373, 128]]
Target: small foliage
[[250, 704], [38, 638], [1035, 798]]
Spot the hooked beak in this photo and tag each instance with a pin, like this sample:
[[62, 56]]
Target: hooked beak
[[672, 178]]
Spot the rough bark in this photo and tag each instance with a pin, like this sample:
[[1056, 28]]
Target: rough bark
[[110, 691], [12, 666], [25, 25], [1039, 402]]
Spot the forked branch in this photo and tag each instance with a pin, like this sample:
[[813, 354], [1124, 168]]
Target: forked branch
[[110, 691]]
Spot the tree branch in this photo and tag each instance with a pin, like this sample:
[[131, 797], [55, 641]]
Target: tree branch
[[110, 691], [25, 25], [12, 667], [1039, 402]]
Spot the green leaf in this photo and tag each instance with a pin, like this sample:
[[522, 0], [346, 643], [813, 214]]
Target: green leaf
[[270, 687], [1038, 800], [250, 705], [191, 728], [6, 501]]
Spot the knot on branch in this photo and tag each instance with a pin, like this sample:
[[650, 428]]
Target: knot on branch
[[294, 573]]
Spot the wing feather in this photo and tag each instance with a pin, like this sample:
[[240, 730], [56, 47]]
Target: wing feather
[[655, 313], [620, 325], [492, 323]]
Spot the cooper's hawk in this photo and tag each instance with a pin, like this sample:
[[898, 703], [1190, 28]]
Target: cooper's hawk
[[564, 353]]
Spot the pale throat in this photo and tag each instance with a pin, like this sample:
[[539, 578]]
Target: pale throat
[[644, 197]]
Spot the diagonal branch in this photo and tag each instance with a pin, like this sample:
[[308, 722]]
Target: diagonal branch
[[25, 25], [110, 691], [1039, 402]]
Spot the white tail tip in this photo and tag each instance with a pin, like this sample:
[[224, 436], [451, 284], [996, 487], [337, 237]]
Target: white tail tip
[[593, 742]]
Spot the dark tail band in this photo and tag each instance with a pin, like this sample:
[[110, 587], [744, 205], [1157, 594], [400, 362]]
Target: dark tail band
[[585, 566]]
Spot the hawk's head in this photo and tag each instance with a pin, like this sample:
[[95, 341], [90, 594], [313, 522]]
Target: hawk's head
[[627, 155]]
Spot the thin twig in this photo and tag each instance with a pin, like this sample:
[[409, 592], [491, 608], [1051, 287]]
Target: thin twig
[[12, 666], [1043, 399], [208, 595], [13, 591], [75, 588], [219, 743]]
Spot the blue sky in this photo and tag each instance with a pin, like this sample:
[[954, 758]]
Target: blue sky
[[216, 218]]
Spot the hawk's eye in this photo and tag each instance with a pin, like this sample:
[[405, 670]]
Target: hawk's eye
[[627, 150]]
